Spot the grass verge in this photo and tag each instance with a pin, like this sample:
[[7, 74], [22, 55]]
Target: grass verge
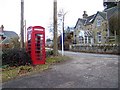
[[9, 73]]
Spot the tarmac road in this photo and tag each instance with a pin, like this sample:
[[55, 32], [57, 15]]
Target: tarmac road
[[84, 70]]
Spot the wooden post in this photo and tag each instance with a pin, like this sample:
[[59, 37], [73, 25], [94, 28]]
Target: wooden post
[[22, 24], [119, 23], [55, 47]]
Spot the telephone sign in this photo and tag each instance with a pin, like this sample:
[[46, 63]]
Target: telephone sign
[[36, 44]]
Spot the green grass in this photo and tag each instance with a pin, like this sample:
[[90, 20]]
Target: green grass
[[9, 73]]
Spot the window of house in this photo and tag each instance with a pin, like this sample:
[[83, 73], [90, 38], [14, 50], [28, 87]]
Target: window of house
[[79, 26], [85, 39], [99, 37], [81, 40], [89, 39], [98, 22]]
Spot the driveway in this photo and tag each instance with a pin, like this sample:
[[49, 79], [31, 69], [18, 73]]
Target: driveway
[[84, 70]]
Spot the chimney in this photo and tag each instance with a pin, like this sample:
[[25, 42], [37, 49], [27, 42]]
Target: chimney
[[1, 28], [85, 15]]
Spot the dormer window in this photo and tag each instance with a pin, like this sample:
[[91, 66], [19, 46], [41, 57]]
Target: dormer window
[[98, 22]]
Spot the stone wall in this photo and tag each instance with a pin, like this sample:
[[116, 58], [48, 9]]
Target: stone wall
[[97, 48]]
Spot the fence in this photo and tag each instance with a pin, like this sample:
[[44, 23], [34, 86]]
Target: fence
[[96, 48]]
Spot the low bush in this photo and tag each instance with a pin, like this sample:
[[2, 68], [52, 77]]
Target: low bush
[[16, 57], [49, 53]]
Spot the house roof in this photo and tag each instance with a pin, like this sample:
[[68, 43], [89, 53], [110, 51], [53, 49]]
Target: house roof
[[106, 14], [111, 11], [6, 40], [80, 20], [92, 18], [86, 21], [103, 14], [8, 35], [89, 20], [88, 33], [84, 33]]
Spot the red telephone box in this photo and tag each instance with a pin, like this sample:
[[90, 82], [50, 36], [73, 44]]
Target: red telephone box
[[36, 44]]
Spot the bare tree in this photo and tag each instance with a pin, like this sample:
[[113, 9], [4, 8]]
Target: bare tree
[[59, 22]]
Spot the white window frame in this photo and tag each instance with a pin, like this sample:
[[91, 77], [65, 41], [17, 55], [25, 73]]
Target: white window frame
[[99, 36]]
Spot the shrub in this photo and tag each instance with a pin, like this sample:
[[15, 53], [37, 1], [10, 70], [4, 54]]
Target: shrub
[[49, 53], [15, 57]]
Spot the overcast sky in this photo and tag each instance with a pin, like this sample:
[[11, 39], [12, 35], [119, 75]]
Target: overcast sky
[[40, 12]]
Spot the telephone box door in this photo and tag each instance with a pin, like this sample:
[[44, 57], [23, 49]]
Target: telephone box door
[[39, 48]]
